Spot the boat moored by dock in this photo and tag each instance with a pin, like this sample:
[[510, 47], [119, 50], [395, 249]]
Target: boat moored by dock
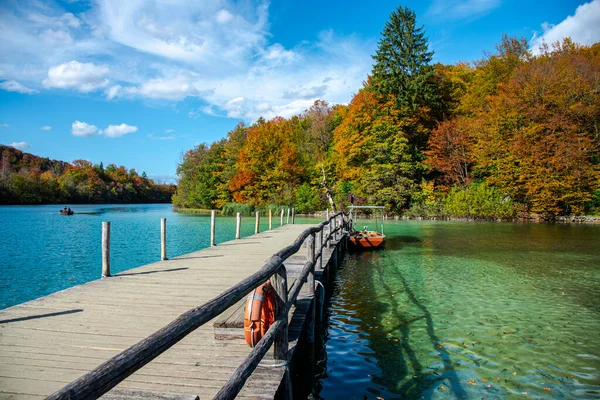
[[366, 239]]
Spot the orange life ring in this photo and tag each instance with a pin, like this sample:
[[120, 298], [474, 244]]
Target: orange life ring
[[259, 313]]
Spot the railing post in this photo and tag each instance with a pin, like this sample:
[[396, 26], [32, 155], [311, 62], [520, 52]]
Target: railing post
[[163, 238], [238, 225], [293, 215], [320, 244], [328, 229], [279, 284], [281, 222], [328, 240], [256, 226], [287, 221], [310, 282], [280, 345], [270, 219], [212, 227], [105, 249]]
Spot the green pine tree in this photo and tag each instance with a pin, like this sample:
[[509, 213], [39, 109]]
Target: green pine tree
[[402, 63]]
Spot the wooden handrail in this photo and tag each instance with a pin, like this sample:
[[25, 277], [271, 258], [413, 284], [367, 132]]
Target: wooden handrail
[[115, 370], [237, 381]]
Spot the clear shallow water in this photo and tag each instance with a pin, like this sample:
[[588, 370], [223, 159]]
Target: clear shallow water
[[467, 310], [44, 252]]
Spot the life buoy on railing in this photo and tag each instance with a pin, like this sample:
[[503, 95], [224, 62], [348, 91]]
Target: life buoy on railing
[[259, 313]]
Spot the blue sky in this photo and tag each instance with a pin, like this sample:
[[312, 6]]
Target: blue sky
[[137, 83]]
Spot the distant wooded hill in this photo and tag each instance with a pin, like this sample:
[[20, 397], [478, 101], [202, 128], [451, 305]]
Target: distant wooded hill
[[29, 179]]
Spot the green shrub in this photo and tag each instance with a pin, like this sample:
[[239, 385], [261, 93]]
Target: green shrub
[[592, 207], [234, 208], [276, 208], [307, 200], [479, 200]]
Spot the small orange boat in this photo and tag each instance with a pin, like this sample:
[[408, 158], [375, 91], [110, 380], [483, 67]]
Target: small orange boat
[[366, 239]]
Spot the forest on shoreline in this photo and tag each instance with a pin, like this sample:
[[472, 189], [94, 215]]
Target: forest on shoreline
[[29, 179], [510, 135]]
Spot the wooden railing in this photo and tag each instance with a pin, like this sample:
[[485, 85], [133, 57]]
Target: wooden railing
[[112, 372]]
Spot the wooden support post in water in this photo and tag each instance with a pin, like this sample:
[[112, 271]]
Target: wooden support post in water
[[270, 219], [213, 214], [238, 225], [293, 215], [163, 238], [333, 261], [287, 221], [256, 226], [281, 222], [105, 249]]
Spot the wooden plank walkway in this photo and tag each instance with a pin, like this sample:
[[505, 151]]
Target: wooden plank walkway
[[48, 342]]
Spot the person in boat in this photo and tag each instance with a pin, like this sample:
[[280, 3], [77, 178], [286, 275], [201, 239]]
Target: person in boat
[[65, 209], [69, 211]]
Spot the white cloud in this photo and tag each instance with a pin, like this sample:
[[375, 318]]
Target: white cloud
[[115, 131], [224, 16], [583, 27], [4, 125], [70, 20], [83, 129], [168, 137], [217, 51], [46, 128], [56, 37], [113, 92], [84, 77], [314, 92], [14, 86], [461, 9], [169, 89], [20, 145], [169, 130]]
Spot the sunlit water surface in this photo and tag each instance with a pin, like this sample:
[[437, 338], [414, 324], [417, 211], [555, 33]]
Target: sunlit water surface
[[44, 252], [467, 310]]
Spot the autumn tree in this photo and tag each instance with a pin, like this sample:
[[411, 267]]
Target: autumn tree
[[232, 147], [321, 122], [449, 152], [373, 154], [538, 138], [267, 169], [199, 176]]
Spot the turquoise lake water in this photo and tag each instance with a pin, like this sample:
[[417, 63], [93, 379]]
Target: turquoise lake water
[[446, 310], [44, 252], [467, 310]]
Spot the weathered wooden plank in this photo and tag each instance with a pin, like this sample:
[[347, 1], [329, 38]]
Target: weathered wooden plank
[[125, 394]]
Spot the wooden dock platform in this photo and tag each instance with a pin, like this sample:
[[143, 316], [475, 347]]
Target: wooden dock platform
[[49, 342]]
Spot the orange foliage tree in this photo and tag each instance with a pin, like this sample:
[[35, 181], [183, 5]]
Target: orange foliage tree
[[539, 141], [267, 164]]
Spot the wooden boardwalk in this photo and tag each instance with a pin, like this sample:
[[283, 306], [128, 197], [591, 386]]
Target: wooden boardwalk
[[49, 342]]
